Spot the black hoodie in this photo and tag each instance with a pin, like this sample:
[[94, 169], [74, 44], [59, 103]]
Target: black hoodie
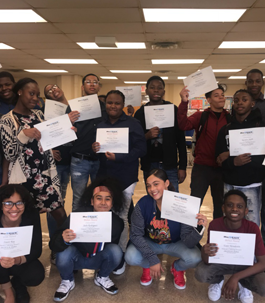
[[253, 172]]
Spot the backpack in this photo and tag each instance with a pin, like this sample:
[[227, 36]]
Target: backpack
[[204, 118]]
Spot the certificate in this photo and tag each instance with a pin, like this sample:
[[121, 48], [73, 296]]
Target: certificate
[[180, 208], [54, 109], [15, 241], [91, 226], [132, 95], [56, 132], [88, 107], [200, 82], [247, 140], [161, 116], [114, 140], [233, 248]]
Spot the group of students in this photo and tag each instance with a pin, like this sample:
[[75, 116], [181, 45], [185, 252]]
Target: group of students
[[114, 176]]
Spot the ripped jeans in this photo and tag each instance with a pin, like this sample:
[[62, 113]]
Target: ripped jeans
[[80, 172]]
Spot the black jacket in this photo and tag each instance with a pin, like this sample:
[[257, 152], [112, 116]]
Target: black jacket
[[173, 141], [253, 172], [57, 243]]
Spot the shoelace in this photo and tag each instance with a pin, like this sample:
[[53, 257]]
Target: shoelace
[[215, 287], [106, 281], [64, 286], [245, 292], [179, 276], [146, 274]]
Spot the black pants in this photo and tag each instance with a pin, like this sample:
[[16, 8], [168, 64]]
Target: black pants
[[203, 176], [29, 274]]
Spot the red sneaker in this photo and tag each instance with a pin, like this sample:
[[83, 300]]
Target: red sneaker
[[179, 277], [146, 278]]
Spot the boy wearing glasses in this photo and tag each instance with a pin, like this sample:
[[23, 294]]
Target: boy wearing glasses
[[84, 163]]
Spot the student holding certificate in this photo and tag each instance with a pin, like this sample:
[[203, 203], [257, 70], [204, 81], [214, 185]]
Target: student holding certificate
[[246, 277], [244, 172], [151, 235], [102, 195], [29, 165], [17, 209], [123, 166]]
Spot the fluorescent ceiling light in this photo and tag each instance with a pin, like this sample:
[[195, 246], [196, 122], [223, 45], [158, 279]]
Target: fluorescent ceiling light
[[108, 77], [164, 78], [45, 70], [226, 70], [135, 82], [181, 78], [131, 71], [192, 15], [177, 61], [120, 45], [19, 16], [237, 77], [5, 46], [242, 44], [71, 61], [263, 61]]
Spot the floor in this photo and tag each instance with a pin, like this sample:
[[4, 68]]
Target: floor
[[130, 289]]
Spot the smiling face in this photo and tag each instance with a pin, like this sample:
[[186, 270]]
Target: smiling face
[[114, 106], [29, 96], [217, 100], [12, 215], [234, 208], [243, 104], [91, 85], [155, 91], [155, 187], [102, 201], [54, 92], [6, 86], [254, 84]]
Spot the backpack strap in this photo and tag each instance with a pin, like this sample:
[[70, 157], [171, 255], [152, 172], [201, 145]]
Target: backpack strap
[[204, 117]]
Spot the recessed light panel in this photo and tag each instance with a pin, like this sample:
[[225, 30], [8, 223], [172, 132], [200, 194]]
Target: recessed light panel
[[177, 61], [71, 61], [19, 16], [242, 44], [45, 70]]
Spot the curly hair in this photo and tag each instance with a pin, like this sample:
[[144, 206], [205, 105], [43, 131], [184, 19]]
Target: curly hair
[[9, 190], [112, 184]]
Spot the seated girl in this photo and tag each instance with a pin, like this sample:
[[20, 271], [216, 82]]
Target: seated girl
[[151, 235], [100, 196], [18, 210]]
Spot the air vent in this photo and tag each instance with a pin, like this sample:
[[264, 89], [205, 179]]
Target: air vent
[[165, 45]]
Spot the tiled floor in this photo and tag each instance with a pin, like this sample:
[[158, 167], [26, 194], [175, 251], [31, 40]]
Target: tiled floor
[[130, 289]]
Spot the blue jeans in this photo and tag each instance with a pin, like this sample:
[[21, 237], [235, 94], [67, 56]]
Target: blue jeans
[[188, 257], [171, 173], [71, 259], [64, 177], [254, 200], [80, 172]]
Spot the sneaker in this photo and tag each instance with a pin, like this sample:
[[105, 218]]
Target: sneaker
[[63, 291], [106, 284], [146, 278], [215, 291], [244, 294], [22, 295], [179, 277], [53, 258], [120, 269]]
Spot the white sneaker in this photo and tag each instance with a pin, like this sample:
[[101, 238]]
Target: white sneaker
[[244, 294], [63, 291], [215, 291], [121, 270], [106, 284]]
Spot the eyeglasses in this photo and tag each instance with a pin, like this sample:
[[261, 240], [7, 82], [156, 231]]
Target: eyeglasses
[[9, 204], [91, 82], [49, 92]]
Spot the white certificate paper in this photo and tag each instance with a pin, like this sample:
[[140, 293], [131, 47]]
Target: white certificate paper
[[54, 109], [113, 140], [56, 132], [15, 241], [180, 208], [91, 226], [132, 95], [161, 116], [234, 248], [247, 140], [200, 82], [87, 106]]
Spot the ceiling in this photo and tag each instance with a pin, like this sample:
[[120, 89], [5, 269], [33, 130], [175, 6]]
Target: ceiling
[[82, 20]]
